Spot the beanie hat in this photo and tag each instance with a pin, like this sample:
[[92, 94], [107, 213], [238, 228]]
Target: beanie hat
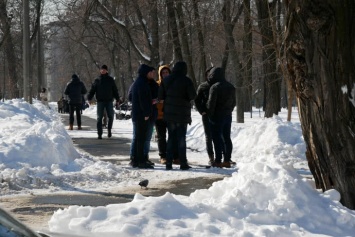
[[145, 69], [104, 67]]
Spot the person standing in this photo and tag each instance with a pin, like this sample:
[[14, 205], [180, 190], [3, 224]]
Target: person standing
[[105, 89], [160, 123], [141, 97], [60, 104], [220, 105], [75, 90], [43, 95], [177, 91], [200, 103]]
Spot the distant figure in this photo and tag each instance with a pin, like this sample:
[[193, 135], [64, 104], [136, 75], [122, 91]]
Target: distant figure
[[177, 91], [60, 104], [220, 105], [43, 95], [75, 90], [105, 89]]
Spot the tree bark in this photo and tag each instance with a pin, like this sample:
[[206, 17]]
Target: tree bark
[[174, 30], [320, 51], [272, 83]]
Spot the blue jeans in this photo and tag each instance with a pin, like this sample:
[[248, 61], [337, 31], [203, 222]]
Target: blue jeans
[[176, 141], [148, 138], [140, 128], [221, 131], [101, 106]]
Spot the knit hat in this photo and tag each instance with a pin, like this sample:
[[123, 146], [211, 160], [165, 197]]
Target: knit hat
[[144, 69], [104, 67]]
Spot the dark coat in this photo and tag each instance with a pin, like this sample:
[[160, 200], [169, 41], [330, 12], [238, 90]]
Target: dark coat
[[75, 90], [202, 97], [177, 91], [140, 95], [222, 99], [105, 89], [154, 89]]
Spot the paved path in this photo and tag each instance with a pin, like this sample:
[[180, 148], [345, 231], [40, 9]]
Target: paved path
[[35, 211]]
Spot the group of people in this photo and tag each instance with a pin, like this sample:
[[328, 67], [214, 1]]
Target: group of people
[[166, 104]]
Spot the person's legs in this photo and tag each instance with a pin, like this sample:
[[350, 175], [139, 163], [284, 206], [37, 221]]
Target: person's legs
[[208, 137], [217, 138], [99, 112], [71, 116], [171, 144], [134, 161], [110, 114], [181, 141], [227, 138], [141, 132], [78, 115], [148, 138], [161, 127]]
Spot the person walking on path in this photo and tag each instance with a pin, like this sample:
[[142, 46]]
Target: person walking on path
[[105, 89], [177, 91], [141, 97], [43, 95], [200, 103], [75, 90], [220, 105]]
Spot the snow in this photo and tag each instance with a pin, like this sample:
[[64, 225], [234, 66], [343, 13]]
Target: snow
[[269, 193]]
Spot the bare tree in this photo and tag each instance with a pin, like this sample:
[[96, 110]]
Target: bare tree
[[320, 53]]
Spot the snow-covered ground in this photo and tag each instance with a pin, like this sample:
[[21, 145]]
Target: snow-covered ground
[[268, 193]]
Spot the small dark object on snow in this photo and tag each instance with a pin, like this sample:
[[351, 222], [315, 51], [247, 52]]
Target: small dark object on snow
[[144, 183]]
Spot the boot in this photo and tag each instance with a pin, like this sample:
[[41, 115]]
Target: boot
[[79, 128], [70, 126], [146, 158]]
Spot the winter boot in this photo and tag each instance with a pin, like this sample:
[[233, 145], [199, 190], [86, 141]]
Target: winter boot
[[79, 128], [146, 158], [70, 126]]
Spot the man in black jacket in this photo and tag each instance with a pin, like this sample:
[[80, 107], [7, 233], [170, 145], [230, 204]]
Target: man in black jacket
[[220, 105], [140, 95], [200, 103], [75, 90], [177, 91], [106, 90]]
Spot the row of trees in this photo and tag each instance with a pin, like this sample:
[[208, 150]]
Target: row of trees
[[269, 50]]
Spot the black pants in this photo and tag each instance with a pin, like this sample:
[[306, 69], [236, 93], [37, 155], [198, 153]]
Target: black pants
[[208, 135], [141, 132], [161, 129], [177, 142], [76, 108]]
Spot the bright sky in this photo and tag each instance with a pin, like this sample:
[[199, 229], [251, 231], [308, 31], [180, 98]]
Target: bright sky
[[269, 193]]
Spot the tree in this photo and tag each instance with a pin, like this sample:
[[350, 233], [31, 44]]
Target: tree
[[320, 49]]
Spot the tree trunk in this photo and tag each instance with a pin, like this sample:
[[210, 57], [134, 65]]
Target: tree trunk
[[174, 30], [247, 58], [272, 83], [233, 53], [9, 47], [320, 51]]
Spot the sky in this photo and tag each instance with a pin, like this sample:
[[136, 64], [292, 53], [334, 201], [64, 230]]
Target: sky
[[270, 191]]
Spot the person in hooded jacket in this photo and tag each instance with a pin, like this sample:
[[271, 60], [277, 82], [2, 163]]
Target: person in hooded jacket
[[177, 91], [105, 89], [75, 90], [220, 105], [200, 103], [140, 95], [160, 124]]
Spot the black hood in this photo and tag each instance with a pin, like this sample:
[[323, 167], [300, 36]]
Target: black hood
[[144, 69], [180, 68], [215, 75], [75, 78]]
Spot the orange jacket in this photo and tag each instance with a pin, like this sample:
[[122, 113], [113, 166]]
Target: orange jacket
[[160, 104]]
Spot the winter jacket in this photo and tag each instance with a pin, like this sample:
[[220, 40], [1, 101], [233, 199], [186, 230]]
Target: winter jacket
[[221, 100], [177, 91], [140, 95], [105, 89], [75, 90], [202, 97], [160, 104], [154, 88]]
